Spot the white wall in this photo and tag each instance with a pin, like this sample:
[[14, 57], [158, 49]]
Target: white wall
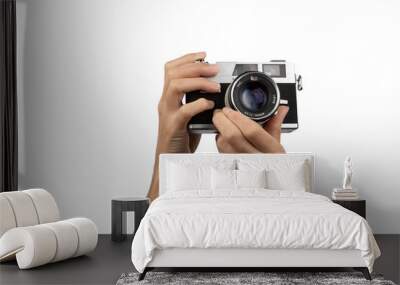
[[91, 75]]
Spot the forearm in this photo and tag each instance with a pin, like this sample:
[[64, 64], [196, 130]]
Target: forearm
[[155, 179], [154, 185]]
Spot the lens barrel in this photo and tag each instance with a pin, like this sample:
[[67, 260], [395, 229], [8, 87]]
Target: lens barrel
[[254, 94]]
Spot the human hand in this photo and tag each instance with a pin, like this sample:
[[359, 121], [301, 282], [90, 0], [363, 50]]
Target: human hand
[[240, 134], [183, 75]]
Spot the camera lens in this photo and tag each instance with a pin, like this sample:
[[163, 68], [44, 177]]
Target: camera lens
[[254, 97], [253, 94]]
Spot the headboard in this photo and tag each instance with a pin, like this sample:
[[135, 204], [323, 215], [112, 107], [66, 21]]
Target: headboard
[[210, 157]]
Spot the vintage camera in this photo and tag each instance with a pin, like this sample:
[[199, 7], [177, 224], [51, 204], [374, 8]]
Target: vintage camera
[[254, 89]]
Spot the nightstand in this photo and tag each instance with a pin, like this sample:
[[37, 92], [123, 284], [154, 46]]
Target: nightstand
[[119, 207], [357, 206]]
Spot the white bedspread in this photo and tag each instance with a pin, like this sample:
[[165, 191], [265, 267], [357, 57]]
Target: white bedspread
[[250, 219]]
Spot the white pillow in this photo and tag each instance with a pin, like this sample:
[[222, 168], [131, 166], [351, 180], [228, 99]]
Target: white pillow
[[193, 174], [181, 177], [223, 179], [251, 178], [293, 178], [282, 173], [227, 179]]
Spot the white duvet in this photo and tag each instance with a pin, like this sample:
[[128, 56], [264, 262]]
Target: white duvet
[[250, 219]]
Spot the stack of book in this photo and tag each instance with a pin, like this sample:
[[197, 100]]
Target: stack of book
[[344, 194]]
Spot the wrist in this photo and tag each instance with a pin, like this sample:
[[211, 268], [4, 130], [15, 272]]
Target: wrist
[[178, 143]]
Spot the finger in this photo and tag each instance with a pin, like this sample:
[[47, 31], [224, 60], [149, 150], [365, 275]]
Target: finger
[[178, 87], [192, 70], [187, 58], [253, 132], [187, 111], [229, 133], [223, 146], [274, 125]]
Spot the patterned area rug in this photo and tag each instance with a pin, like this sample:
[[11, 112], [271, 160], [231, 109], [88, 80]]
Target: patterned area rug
[[243, 278]]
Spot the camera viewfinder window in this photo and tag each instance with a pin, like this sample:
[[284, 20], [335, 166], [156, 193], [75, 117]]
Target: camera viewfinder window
[[275, 70], [240, 68]]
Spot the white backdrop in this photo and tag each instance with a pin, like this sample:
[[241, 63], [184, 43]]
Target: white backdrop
[[90, 75]]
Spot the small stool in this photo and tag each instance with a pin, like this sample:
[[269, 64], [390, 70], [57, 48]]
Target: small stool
[[119, 207]]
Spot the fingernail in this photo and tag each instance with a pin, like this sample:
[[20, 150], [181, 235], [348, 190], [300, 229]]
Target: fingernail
[[216, 111], [284, 109], [227, 110], [214, 66], [219, 87], [211, 103], [201, 55]]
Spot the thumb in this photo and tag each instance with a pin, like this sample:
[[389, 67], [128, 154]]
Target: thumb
[[273, 126]]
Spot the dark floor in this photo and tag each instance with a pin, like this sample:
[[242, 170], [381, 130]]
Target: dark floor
[[103, 266], [110, 260]]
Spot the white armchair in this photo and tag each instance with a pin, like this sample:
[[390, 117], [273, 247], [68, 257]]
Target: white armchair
[[31, 230]]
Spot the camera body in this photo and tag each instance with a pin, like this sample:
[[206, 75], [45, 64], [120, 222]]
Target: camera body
[[254, 89]]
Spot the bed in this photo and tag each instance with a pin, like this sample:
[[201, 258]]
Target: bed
[[248, 211]]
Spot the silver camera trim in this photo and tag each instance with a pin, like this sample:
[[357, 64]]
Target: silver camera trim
[[226, 69]]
